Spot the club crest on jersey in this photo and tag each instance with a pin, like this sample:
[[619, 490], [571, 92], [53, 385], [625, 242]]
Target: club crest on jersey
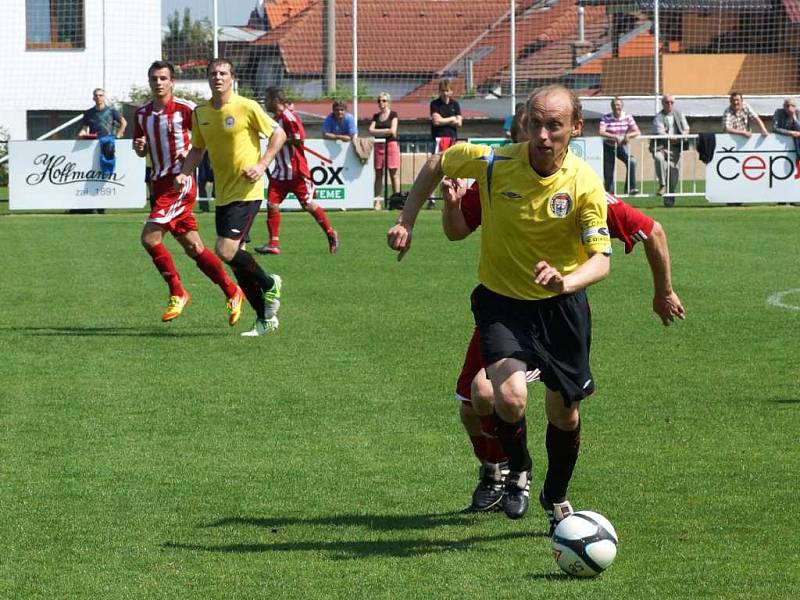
[[229, 122], [560, 205]]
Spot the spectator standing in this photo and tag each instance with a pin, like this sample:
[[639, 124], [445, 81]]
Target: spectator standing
[[786, 122], [737, 117], [103, 123], [446, 118], [618, 128], [101, 119], [339, 124], [667, 153], [387, 154]]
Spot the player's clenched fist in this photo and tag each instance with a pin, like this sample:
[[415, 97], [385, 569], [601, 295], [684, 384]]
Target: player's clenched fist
[[180, 181], [548, 277], [399, 239]]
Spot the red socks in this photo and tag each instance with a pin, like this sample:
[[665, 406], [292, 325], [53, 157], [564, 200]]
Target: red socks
[[162, 259], [273, 226], [212, 267], [321, 218]]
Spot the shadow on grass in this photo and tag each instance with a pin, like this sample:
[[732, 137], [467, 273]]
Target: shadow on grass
[[377, 522], [109, 332], [345, 550], [785, 400]]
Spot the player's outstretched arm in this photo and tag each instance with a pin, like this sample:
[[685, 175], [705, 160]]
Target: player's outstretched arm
[[399, 236], [666, 303], [453, 221]]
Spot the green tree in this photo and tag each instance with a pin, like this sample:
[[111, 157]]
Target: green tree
[[4, 137], [188, 44]]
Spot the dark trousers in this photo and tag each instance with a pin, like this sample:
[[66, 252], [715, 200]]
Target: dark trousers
[[610, 154]]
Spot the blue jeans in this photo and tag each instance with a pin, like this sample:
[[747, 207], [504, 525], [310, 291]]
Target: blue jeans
[[609, 157]]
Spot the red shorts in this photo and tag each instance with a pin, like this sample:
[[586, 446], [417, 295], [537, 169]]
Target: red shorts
[[393, 161], [301, 187], [440, 144], [172, 210], [474, 363]]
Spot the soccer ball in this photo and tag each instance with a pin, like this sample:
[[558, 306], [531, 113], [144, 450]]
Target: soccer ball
[[584, 544]]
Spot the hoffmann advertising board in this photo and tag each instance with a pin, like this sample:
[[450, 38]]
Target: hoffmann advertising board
[[47, 175], [66, 174]]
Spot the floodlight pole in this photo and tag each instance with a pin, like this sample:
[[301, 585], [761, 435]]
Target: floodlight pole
[[329, 35], [513, 55], [355, 61], [656, 57], [215, 26], [105, 47]]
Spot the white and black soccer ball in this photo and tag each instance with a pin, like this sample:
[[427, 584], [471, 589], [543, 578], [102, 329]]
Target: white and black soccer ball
[[584, 544]]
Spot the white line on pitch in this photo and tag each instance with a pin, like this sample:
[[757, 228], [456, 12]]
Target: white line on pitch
[[776, 299]]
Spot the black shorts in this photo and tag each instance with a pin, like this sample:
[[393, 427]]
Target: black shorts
[[233, 220], [553, 335]]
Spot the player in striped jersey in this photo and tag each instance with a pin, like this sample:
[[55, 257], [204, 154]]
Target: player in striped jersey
[[162, 133], [291, 175]]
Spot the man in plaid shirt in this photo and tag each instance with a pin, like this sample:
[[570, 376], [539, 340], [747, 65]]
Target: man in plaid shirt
[[737, 117]]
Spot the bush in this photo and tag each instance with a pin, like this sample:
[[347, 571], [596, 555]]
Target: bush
[[4, 137]]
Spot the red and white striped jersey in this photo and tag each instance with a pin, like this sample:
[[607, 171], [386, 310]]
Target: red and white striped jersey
[[167, 133], [290, 163]]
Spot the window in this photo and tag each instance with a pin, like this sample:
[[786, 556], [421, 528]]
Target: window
[[54, 24], [41, 121]]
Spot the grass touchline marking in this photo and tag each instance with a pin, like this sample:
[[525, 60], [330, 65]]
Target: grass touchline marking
[[776, 299]]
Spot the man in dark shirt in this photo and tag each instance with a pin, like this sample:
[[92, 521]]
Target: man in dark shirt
[[445, 121], [445, 117], [101, 119]]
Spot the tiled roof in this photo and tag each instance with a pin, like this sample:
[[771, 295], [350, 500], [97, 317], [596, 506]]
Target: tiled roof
[[548, 23], [382, 46], [280, 11]]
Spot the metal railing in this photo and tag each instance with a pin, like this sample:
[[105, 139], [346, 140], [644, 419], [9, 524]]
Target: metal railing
[[680, 178]]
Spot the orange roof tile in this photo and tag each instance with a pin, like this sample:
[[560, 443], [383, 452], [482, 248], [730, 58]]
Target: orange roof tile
[[280, 11]]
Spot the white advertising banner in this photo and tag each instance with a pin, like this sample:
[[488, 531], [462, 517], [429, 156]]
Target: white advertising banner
[[67, 174], [589, 149], [341, 180], [752, 170]]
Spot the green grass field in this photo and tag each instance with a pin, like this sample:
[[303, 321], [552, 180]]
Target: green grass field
[[144, 460]]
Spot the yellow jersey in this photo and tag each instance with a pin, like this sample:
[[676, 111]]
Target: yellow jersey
[[526, 218], [230, 135]]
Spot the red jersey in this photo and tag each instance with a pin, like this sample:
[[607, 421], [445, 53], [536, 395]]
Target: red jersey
[[167, 133], [624, 222], [290, 163]]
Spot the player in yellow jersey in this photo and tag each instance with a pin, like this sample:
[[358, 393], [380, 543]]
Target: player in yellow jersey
[[228, 127], [544, 240]]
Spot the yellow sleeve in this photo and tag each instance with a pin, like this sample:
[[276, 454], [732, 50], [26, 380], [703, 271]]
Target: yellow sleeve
[[261, 121], [198, 141], [592, 221], [462, 161]]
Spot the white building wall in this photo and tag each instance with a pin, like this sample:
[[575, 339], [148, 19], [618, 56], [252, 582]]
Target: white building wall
[[122, 38]]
